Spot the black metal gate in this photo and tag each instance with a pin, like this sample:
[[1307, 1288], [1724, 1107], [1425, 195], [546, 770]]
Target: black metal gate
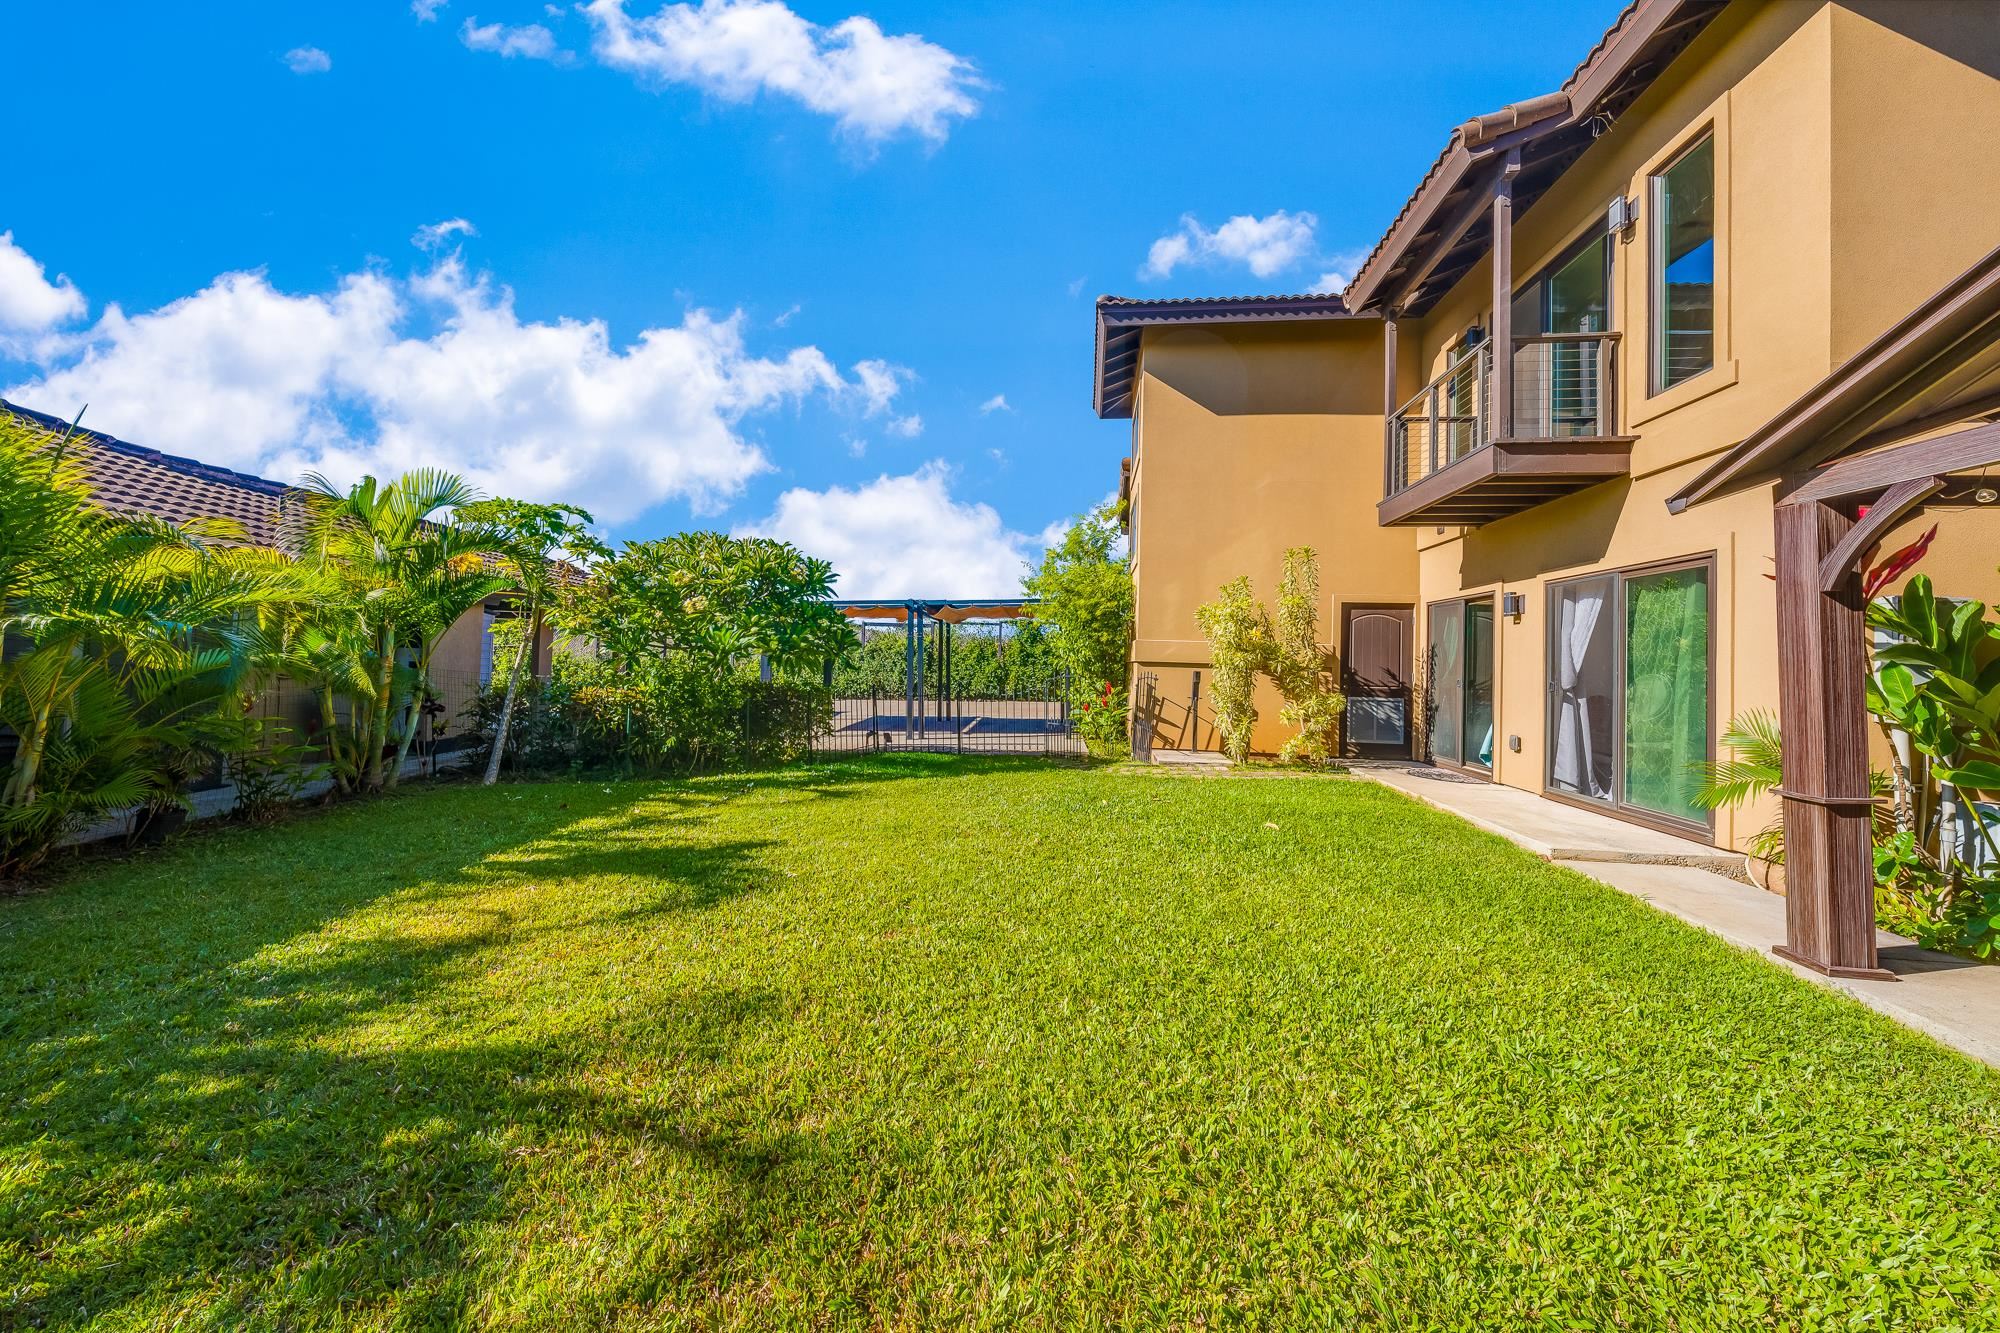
[[932, 709], [1145, 714]]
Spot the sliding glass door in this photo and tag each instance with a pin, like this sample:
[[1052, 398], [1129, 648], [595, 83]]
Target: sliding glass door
[[1629, 717], [1459, 698]]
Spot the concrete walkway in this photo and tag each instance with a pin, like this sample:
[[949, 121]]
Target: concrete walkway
[[1953, 1000]]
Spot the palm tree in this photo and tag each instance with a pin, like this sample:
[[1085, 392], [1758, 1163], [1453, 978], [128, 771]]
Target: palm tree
[[1758, 767], [123, 640], [411, 572]]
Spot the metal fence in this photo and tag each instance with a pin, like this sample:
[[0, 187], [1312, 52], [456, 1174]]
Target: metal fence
[[1035, 721], [1145, 714], [447, 724]]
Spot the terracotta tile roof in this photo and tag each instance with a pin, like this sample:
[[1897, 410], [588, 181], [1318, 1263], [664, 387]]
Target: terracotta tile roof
[[1629, 50], [130, 479]]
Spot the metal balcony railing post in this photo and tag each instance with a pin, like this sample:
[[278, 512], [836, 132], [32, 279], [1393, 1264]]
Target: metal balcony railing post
[[1433, 431]]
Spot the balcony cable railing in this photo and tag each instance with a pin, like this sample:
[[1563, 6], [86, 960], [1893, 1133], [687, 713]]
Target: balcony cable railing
[[1562, 391]]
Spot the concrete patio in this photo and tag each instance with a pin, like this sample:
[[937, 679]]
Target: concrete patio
[[1955, 1001]]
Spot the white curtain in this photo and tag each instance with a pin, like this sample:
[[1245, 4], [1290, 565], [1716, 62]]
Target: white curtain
[[1576, 768]]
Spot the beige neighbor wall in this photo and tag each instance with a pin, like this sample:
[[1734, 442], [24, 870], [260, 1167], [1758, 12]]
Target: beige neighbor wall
[[1856, 171], [1248, 439], [456, 660]]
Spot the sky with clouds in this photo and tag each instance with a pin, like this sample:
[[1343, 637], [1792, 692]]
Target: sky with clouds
[[810, 271]]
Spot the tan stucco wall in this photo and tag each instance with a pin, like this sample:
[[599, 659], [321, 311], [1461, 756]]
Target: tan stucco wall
[[455, 665], [1248, 440], [1857, 170]]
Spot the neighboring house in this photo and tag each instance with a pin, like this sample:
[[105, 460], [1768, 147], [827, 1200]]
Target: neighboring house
[[1724, 210], [129, 479]]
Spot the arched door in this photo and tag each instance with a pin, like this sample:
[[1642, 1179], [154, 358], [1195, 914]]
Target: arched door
[[1376, 650]]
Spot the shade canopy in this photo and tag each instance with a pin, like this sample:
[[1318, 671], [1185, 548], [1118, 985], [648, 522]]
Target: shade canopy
[[950, 611]]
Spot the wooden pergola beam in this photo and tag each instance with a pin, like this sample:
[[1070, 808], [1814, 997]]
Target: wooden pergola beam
[[1882, 515], [1865, 474]]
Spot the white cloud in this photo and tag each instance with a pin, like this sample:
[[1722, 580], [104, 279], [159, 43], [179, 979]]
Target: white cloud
[[782, 320], [1266, 245], [874, 86], [308, 60], [427, 10], [1341, 273], [437, 233], [877, 383], [997, 403], [385, 373], [530, 41], [29, 302], [905, 428], [903, 537]]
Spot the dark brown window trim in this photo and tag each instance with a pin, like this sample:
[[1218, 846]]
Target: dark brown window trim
[[1452, 765]]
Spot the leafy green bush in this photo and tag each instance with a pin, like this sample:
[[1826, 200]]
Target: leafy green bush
[[1238, 630], [1085, 584], [269, 768], [592, 716], [982, 666]]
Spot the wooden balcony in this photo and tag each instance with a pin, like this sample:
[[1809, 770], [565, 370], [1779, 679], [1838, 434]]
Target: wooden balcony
[[1452, 460]]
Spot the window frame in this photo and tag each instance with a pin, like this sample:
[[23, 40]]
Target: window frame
[[1617, 807], [1464, 603], [1656, 266]]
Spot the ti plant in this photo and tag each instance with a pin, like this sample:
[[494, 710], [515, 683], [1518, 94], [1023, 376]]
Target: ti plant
[[1936, 691]]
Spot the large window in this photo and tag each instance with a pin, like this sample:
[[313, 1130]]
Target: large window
[[1459, 678], [1683, 318], [1557, 389], [1629, 667]]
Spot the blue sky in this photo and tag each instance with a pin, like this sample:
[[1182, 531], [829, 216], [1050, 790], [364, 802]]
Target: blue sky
[[735, 265]]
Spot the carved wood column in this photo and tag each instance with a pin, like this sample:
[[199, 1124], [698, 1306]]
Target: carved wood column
[[1822, 668]]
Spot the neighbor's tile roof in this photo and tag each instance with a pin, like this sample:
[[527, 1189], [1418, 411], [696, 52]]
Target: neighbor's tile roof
[[1122, 319], [129, 479]]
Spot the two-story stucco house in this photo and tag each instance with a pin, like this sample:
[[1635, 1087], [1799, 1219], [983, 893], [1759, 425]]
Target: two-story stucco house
[[1550, 438]]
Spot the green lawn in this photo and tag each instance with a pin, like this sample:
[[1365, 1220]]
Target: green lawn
[[930, 1042]]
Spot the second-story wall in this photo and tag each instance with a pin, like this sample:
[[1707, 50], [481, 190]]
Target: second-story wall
[[1249, 439]]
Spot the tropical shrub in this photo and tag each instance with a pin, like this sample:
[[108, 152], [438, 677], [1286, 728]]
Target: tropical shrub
[[1245, 641], [270, 768], [123, 644], [1299, 665], [1239, 634], [1085, 586], [592, 716]]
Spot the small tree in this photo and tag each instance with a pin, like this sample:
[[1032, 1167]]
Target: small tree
[[536, 537], [1085, 584], [1298, 664], [1239, 636], [1244, 642]]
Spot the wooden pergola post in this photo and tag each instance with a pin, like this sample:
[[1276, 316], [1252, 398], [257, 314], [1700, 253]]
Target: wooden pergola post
[[1822, 708]]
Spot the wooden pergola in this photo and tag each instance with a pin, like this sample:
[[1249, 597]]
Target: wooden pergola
[[1910, 422]]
